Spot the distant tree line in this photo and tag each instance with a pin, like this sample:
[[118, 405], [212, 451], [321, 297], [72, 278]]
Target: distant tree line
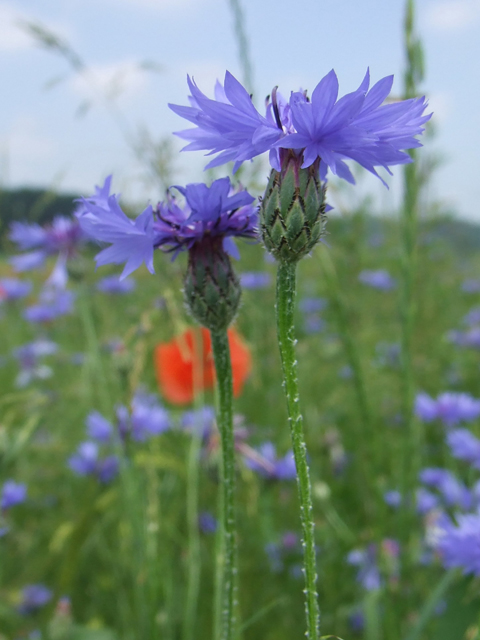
[[32, 205]]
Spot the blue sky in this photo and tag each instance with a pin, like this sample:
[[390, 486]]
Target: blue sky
[[43, 142]]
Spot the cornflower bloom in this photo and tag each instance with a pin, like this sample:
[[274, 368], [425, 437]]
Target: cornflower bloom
[[255, 280], [464, 446], [321, 130], [453, 492], [368, 574], [86, 462], [61, 238]]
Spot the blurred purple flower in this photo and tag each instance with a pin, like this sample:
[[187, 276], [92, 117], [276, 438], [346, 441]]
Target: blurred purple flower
[[265, 462], [207, 522], [471, 286], [459, 543], [13, 493], [13, 288], [454, 492], [451, 408], [470, 338], [255, 280], [98, 427], [113, 285], [61, 238], [366, 560], [425, 501], [34, 597], [379, 279], [393, 498], [472, 317], [465, 446], [84, 461], [53, 303], [147, 418], [202, 421], [312, 305], [28, 356], [356, 127]]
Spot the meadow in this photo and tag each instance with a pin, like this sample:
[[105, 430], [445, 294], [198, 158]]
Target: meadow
[[111, 456]]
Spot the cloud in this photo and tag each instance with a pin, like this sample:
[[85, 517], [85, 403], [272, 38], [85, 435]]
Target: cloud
[[453, 15], [118, 80]]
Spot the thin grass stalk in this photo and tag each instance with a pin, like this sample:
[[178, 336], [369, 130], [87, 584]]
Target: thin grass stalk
[[285, 308], [408, 261], [223, 368]]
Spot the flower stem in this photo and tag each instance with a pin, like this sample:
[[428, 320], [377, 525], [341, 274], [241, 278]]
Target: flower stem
[[286, 290], [223, 367]]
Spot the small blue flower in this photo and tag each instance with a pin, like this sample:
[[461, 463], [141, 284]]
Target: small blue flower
[[61, 238], [34, 597], [464, 446], [13, 493], [98, 427], [53, 303], [255, 280], [28, 356], [207, 522], [393, 498], [379, 279], [358, 126]]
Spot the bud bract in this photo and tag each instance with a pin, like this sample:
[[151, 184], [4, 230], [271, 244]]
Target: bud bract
[[292, 211], [212, 290]]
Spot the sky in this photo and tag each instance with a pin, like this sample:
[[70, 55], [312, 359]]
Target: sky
[[143, 49]]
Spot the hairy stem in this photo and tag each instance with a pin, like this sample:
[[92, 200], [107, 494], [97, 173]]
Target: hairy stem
[[223, 367], [286, 289]]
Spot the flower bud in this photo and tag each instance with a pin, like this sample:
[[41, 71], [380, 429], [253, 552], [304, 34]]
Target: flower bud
[[292, 211], [212, 290]]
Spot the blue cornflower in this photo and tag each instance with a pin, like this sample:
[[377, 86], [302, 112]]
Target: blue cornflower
[[471, 285], [201, 422], [13, 493], [358, 126], [146, 419], [472, 317], [213, 212], [61, 238], [393, 498], [366, 560], [207, 522]]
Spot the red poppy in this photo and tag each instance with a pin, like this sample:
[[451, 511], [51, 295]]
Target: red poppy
[[176, 361]]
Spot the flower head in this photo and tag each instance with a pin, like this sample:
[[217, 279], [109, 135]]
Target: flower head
[[61, 238], [13, 288], [379, 279], [264, 461], [178, 364], [357, 126], [215, 211], [459, 543]]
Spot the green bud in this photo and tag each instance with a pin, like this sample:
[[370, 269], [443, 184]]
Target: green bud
[[212, 290], [292, 211]]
